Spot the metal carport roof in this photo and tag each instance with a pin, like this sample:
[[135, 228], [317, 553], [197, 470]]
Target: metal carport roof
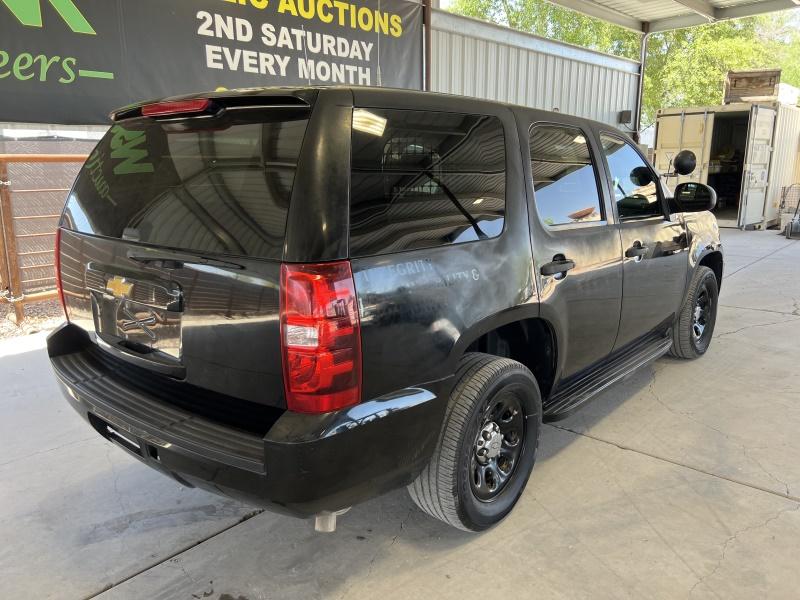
[[662, 15], [651, 16]]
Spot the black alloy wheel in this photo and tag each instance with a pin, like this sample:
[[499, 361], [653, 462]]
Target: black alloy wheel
[[487, 448], [701, 315], [694, 325], [497, 446]]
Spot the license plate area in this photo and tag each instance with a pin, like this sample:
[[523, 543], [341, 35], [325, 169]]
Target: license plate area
[[137, 314]]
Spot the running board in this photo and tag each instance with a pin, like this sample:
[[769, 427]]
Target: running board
[[565, 400]]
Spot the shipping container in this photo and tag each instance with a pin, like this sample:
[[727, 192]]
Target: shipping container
[[748, 152]]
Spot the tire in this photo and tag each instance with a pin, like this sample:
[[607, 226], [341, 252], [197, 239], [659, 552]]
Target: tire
[[686, 343], [456, 485]]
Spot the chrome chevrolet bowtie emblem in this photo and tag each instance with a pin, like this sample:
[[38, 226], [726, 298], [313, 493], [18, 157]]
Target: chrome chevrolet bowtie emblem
[[119, 287]]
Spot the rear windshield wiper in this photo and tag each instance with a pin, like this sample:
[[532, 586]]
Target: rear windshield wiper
[[177, 260]]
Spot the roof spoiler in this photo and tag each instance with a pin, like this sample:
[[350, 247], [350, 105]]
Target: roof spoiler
[[204, 107]]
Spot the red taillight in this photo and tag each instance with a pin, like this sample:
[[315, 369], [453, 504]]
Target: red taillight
[[57, 266], [320, 337], [179, 107]]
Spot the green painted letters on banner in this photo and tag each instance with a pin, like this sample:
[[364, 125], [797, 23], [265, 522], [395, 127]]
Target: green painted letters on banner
[[29, 13]]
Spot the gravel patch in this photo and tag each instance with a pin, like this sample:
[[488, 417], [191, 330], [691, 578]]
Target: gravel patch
[[40, 316]]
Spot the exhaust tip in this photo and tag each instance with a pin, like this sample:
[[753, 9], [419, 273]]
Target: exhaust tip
[[325, 522]]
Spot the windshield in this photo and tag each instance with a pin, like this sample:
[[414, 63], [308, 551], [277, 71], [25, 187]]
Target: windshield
[[215, 186]]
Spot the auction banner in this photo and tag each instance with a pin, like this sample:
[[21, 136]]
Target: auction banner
[[74, 61]]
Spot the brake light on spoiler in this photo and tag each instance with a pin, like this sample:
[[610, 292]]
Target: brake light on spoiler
[[320, 337], [178, 107]]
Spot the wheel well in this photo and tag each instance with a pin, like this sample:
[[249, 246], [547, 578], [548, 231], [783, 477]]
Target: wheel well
[[713, 261], [530, 342]]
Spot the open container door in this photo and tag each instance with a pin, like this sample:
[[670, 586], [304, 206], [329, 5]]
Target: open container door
[[684, 131], [755, 179]]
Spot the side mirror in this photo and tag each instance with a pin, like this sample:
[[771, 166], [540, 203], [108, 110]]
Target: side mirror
[[694, 197], [685, 162], [641, 176]]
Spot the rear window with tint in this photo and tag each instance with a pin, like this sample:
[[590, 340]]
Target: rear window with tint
[[220, 186], [422, 179]]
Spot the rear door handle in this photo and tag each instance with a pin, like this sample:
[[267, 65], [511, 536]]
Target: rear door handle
[[559, 266], [636, 251]]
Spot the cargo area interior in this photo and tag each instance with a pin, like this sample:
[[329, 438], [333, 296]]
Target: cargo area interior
[[726, 165]]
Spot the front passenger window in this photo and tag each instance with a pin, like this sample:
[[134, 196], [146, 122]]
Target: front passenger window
[[634, 182]]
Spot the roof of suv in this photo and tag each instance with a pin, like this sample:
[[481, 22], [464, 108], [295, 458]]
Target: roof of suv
[[299, 92]]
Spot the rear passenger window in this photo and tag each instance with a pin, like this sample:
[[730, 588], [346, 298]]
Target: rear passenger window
[[634, 182], [564, 179], [422, 179]]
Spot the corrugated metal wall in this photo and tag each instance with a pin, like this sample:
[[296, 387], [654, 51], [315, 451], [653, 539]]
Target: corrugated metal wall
[[474, 58], [785, 168]]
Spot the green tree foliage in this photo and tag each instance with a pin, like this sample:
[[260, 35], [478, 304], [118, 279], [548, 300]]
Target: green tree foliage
[[548, 20], [686, 67]]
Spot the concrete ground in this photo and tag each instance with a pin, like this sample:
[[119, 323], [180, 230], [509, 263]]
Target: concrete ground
[[682, 482]]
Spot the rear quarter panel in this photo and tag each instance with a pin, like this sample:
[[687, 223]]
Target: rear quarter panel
[[421, 308]]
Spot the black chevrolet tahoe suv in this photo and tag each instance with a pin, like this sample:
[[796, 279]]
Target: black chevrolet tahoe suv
[[304, 298]]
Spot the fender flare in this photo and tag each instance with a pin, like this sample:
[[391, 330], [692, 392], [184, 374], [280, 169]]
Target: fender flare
[[506, 317], [696, 262]]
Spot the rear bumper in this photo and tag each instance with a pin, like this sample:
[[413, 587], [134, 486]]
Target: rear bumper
[[304, 464]]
